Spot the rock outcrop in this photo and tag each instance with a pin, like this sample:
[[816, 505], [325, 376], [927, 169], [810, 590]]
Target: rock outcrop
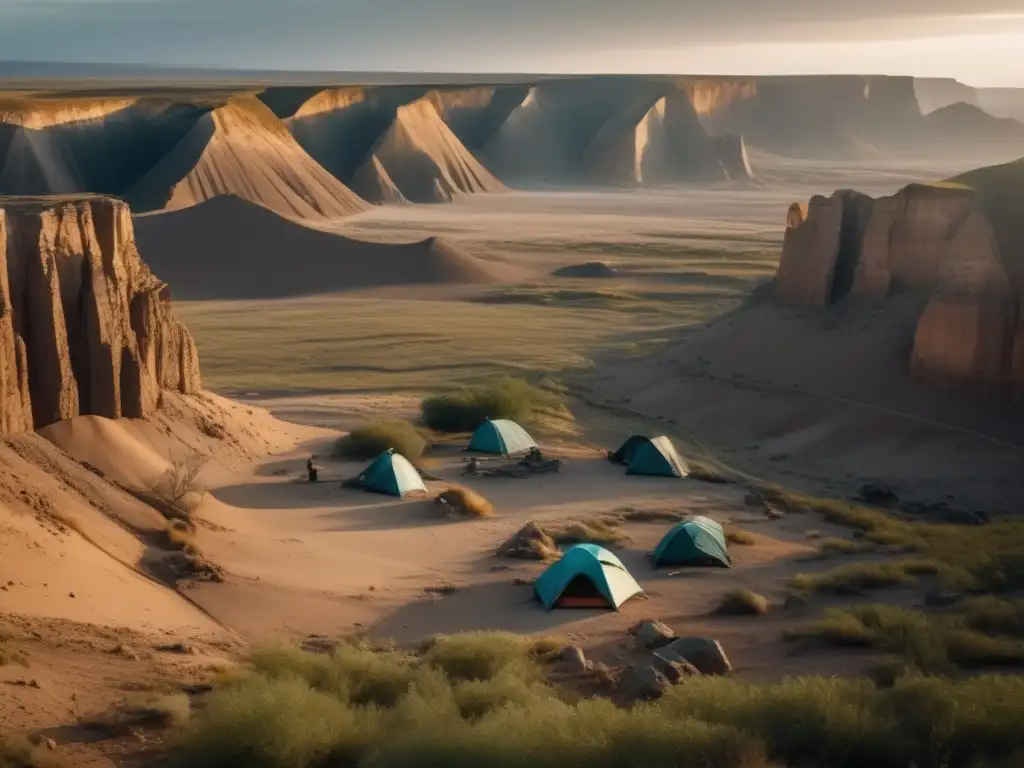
[[941, 241], [85, 327]]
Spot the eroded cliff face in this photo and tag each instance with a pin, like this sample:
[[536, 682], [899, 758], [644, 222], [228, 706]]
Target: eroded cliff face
[[934, 240], [85, 327]]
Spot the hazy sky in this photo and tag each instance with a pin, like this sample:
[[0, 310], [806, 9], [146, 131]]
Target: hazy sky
[[977, 41]]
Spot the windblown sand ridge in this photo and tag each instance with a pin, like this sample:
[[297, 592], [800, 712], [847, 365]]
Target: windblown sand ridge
[[230, 248]]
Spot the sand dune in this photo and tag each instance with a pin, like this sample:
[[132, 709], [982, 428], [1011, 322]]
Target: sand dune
[[243, 149], [396, 143], [230, 248]]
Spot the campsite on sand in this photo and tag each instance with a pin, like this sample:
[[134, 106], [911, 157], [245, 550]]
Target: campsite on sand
[[298, 471]]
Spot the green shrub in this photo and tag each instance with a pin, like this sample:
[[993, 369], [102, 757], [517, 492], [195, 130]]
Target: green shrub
[[990, 614], [844, 546], [598, 531], [478, 700], [928, 643], [504, 398], [857, 577], [369, 440]]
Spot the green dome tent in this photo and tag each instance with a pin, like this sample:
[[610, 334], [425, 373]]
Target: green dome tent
[[586, 576], [393, 474], [657, 457], [503, 437], [697, 541], [628, 449]]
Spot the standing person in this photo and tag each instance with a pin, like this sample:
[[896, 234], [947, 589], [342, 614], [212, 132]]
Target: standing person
[[311, 469]]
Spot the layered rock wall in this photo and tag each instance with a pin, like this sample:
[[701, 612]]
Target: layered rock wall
[[933, 240], [85, 327]]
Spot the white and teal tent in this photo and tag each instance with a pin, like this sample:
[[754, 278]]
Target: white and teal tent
[[586, 576], [393, 474]]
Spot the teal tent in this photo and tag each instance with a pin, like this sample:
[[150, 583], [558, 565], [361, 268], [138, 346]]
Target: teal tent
[[586, 576], [697, 541], [503, 437], [657, 457], [628, 449], [391, 473]]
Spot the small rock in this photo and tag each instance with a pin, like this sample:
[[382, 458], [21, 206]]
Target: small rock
[[51, 744], [574, 655], [705, 653], [126, 651], [939, 597], [71, 595], [183, 648], [813, 534], [793, 601], [754, 499], [678, 671], [500, 568], [521, 582], [878, 495], [645, 682], [653, 634], [773, 513]]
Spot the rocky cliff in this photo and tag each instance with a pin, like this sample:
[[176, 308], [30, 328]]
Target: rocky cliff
[[941, 241], [85, 327]]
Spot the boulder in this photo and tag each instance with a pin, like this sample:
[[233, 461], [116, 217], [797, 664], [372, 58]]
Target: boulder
[[653, 634], [878, 495], [574, 656], [704, 653], [643, 681], [85, 327]]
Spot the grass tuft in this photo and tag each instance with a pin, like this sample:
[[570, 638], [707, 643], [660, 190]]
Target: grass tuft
[[369, 440], [743, 602], [858, 577], [463, 502], [503, 398], [739, 537]]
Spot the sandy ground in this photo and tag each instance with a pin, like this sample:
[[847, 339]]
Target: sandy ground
[[300, 558]]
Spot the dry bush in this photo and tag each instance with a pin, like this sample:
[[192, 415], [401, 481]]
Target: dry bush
[[177, 493], [739, 537], [743, 602], [462, 502]]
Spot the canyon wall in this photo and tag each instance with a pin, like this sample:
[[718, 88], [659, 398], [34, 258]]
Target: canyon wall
[[940, 241], [85, 327]]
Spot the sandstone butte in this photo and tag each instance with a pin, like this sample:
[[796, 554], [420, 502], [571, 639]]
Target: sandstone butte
[[85, 327], [936, 240]]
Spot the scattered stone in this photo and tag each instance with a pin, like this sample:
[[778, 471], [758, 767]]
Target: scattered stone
[[813, 534], [878, 495], [71, 595], [645, 682], [125, 650], [182, 648], [519, 581], [653, 634], [705, 653], [794, 601], [51, 744], [500, 568], [574, 655], [773, 513], [678, 671], [941, 512], [754, 499], [939, 597]]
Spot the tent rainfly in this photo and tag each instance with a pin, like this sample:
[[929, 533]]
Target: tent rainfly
[[393, 474], [503, 437], [586, 576], [628, 449], [657, 457], [697, 541]]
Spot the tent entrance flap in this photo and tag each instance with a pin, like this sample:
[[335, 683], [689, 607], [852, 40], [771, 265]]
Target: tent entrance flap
[[581, 592]]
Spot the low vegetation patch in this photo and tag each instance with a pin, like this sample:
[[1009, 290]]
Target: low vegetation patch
[[372, 438], [837, 546], [705, 472], [481, 699], [462, 502], [930, 643], [738, 536], [629, 514], [858, 577], [602, 532], [743, 602], [503, 398], [982, 558]]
